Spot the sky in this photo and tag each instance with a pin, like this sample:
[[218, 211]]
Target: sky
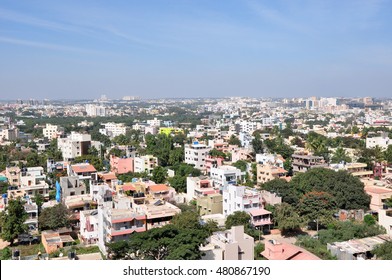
[[82, 49]]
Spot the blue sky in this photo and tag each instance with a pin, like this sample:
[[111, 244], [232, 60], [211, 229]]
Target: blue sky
[[204, 48]]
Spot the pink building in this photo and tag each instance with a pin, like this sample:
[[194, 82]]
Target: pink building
[[121, 165], [284, 251], [211, 162], [260, 218]]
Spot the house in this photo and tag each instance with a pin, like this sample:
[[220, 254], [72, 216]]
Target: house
[[121, 165], [357, 249], [226, 174], [385, 219], [382, 140], [13, 175], [357, 169], [267, 172], [210, 204], [260, 218], [84, 171], [161, 191], [145, 164], [54, 240], [198, 187], [32, 182], [89, 226], [379, 191], [196, 153], [232, 244], [302, 163], [72, 185], [271, 159], [240, 198], [275, 250], [212, 162]]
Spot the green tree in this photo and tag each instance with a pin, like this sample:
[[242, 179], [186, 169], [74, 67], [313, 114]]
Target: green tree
[[159, 174], [215, 153], [318, 207], [340, 155], [12, 220], [236, 219], [39, 200], [388, 154], [234, 141], [54, 217], [257, 143], [257, 251], [5, 254], [176, 156], [187, 220], [369, 220], [383, 251], [287, 218], [117, 152], [241, 165], [282, 188]]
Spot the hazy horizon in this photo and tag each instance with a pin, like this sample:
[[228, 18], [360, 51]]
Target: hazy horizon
[[182, 49]]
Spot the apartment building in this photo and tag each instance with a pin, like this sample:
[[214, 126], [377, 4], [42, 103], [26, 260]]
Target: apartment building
[[94, 110], [113, 129], [357, 169], [76, 145], [212, 162], [121, 165], [226, 174], [240, 198], [271, 159], [196, 153], [198, 187], [71, 186], [267, 172], [302, 163], [32, 182], [381, 141], [232, 244], [145, 164], [52, 131], [13, 175]]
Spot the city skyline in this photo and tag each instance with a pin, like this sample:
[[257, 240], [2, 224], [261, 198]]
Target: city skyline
[[156, 49]]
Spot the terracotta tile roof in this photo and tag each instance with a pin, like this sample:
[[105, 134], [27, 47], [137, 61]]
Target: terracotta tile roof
[[83, 168], [259, 212], [158, 188], [108, 176], [128, 187]]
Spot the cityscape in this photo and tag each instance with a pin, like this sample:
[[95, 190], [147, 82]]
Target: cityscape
[[213, 179], [224, 131]]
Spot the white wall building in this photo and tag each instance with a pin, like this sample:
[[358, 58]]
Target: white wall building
[[225, 174], [382, 141], [75, 145], [114, 129], [145, 164], [154, 122], [52, 131], [196, 154], [240, 198], [94, 110]]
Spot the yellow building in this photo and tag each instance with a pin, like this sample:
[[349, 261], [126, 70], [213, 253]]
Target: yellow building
[[210, 204], [170, 130]]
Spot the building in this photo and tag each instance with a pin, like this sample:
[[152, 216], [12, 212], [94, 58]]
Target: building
[[75, 145], [52, 131], [211, 162], [232, 244], [32, 215], [9, 134], [145, 164], [71, 186], [284, 251], [198, 187], [121, 165], [226, 174], [266, 173], [32, 182], [382, 141], [240, 198], [13, 175], [357, 249], [385, 219], [155, 122], [113, 129], [89, 226], [195, 154], [302, 163], [210, 204], [261, 218], [94, 110], [378, 193], [271, 159], [84, 171], [357, 169]]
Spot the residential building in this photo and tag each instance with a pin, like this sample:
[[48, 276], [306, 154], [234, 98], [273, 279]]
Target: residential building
[[71, 186], [379, 191], [89, 226], [302, 163], [232, 244], [9, 134], [52, 131], [113, 129], [155, 122], [270, 198], [271, 159], [162, 192], [381, 141], [357, 169], [75, 145], [357, 249], [226, 174], [261, 218], [267, 172], [240, 198], [210, 204], [13, 175], [121, 165], [94, 110], [31, 209], [275, 250], [145, 164], [32, 182], [84, 171], [198, 187], [385, 219], [211, 162], [195, 154]]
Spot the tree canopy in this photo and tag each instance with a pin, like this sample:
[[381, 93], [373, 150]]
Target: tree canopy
[[12, 220], [54, 217]]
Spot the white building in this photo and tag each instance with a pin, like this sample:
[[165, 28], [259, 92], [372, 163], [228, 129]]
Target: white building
[[113, 129], [9, 134], [32, 182], [154, 122], [89, 226], [272, 159], [76, 145], [94, 110], [196, 154], [248, 127], [240, 198], [52, 131], [145, 164], [382, 141], [226, 174], [199, 186]]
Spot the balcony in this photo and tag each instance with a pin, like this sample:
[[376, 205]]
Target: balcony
[[127, 230]]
